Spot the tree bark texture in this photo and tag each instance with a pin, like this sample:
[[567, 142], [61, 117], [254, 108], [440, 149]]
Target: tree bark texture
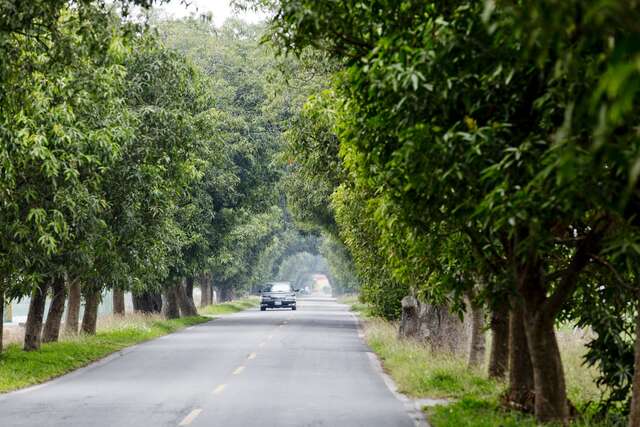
[[205, 291], [147, 302], [548, 374], [435, 325], [634, 414], [186, 304], [51, 331], [72, 320], [170, 308], [550, 389], [520, 393], [188, 286], [477, 342], [499, 357], [118, 301], [540, 311], [90, 318], [226, 293], [33, 330]]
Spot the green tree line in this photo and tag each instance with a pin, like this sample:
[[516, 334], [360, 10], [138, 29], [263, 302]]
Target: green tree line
[[137, 155], [482, 153]]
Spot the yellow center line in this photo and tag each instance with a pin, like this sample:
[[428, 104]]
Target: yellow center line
[[252, 356], [189, 418], [238, 370], [219, 389]]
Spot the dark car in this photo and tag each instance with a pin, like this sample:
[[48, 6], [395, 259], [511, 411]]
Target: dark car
[[278, 295]]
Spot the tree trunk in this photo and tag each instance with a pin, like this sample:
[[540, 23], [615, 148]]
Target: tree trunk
[[499, 358], [549, 385], [211, 290], [410, 319], [634, 415], [188, 286], [205, 291], [90, 318], [215, 294], [73, 308], [33, 330], [520, 393], [540, 310], [550, 390], [51, 331], [433, 325], [187, 307], [170, 303], [477, 342], [147, 302], [226, 293], [118, 301]]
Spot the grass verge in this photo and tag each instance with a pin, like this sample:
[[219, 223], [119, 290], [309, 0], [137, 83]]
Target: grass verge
[[230, 307], [20, 369], [422, 373]]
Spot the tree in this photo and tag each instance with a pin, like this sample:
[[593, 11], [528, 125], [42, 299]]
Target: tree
[[466, 124]]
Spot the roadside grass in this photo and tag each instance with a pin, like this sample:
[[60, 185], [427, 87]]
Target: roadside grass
[[419, 372], [422, 373], [230, 307], [353, 301], [348, 299], [19, 369]]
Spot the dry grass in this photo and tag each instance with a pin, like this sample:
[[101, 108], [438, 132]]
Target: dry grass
[[130, 320], [581, 386], [12, 334], [142, 322], [348, 299], [420, 372]]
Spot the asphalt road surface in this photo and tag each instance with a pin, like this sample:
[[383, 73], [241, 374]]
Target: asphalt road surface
[[277, 368]]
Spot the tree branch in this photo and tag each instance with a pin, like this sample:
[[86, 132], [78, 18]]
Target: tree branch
[[584, 254]]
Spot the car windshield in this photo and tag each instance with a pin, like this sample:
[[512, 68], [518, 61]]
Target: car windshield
[[278, 287]]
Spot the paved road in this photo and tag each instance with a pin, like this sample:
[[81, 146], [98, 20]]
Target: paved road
[[276, 368]]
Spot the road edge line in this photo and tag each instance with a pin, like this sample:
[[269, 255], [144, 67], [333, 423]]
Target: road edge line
[[412, 406]]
